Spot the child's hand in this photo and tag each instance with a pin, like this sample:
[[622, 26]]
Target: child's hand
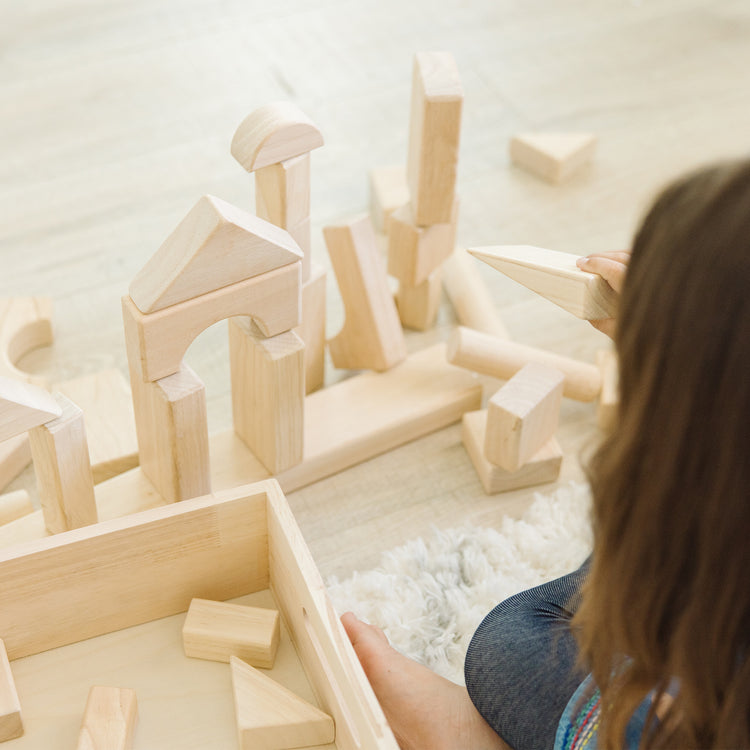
[[611, 267]]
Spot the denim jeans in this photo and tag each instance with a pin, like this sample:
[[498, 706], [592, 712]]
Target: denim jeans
[[521, 668]]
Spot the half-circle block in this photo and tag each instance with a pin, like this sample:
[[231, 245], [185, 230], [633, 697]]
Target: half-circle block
[[273, 133], [271, 717], [23, 406], [215, 245], [555, 276]]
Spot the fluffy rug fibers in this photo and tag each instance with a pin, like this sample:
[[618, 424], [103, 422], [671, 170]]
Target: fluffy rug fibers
[[430, 595]]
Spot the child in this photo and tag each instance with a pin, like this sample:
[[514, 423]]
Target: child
[[648, 644]]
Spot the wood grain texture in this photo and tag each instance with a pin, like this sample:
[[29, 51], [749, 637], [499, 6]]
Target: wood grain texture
[[552, 156], [388, 191], [109, 720], [418, 305], [24, 406], [15, 456], [312, 329], [15, 505], [11, 722]]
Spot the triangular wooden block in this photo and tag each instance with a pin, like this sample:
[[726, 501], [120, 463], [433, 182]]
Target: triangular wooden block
[[552, 156], [214, 246], [23, 406], [555, 276], [270, 717]]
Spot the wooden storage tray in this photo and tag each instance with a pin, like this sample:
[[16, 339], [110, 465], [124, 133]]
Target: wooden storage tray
[[130, 572]]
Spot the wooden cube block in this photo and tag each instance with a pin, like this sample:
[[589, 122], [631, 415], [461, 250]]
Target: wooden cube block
[[542, 468], [552, 156], [110, 719], [11, 724], [415, 252], [523, 416], [418, 305], [219, 630], [388, 191]]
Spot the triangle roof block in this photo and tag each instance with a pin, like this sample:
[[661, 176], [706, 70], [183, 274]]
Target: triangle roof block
[[552, 156], [24, 406], [215, 245], [274, 133], [271, 717], [555, 276]]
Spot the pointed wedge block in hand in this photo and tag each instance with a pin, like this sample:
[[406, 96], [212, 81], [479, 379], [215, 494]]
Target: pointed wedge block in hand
[[554, 276], [552, 156], [24, 406], [110, 719], [270, 717]]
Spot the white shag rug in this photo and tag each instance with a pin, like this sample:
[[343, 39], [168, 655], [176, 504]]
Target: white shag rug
[[430, 595]]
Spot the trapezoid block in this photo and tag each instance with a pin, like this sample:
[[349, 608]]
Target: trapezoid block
[[552, 156], [214, 246], [555, 276]]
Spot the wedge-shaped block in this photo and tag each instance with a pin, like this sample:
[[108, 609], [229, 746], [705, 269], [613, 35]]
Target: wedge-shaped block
[[543, 467], [552, 156], [24, 406], [214, 246], [523, 416], [272, 134], [109, 720], [220, 630], [388, 191], [371, 337], [435, 128], [11, 723], [416, 252], [25, 324], [554, 276], [272, 300], [270, 717], [418, 305]]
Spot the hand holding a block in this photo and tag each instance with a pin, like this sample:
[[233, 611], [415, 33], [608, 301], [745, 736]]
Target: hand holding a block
[[612, 267]]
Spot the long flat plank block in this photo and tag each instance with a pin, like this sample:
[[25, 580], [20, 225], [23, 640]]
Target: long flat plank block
[[112, 575], [109, 720], [11, 723]]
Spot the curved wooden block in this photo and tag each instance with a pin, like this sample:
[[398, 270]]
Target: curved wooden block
[[163, 337], [215, 245], [25, 324], [273, 133]]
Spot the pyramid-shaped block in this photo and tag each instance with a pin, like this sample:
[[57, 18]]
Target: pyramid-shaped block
[[555, 276], [552, 156], [214, 246], [270, 717], [24, 406]]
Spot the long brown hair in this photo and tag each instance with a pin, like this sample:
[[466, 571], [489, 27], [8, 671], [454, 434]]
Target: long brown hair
[[668, 596]]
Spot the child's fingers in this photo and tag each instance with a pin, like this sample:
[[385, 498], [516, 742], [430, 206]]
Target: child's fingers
[[612, 271], [622, 256]]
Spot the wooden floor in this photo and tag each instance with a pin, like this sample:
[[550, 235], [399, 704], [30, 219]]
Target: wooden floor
[[117, 116]]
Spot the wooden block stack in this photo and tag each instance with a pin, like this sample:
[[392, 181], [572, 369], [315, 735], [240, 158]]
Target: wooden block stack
[[512, 443], [422, 232]]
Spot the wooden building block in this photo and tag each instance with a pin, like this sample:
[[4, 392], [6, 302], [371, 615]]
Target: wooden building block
[[14, 505], [543, 467], [502, 359], [23, 406], [416, 252], [371, 337], [268, 393], [388, 191], [25, 325], [471, 300], [312, 329], [270, 717], [63, 470], [272, 134], [523, 416], [11, 723], [554, 276], [216, 245], [552, 156], [219, 630], [435, 128], [609, 400], [418, 305], [107, 405], [109, 720], [15, 456], [273, 300]]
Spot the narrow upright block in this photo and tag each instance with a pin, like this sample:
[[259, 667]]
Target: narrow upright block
[[268, 392], [543, 467], [63, 470], [418, 305], [11, 724], [371, 337], [415, 252], [609, 399], [312, 329], [110, 719], [270, 717], [23, 406], [552, 156], [435, 128], [220, 630], [554, 276], [388, 191], [523, 416]]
